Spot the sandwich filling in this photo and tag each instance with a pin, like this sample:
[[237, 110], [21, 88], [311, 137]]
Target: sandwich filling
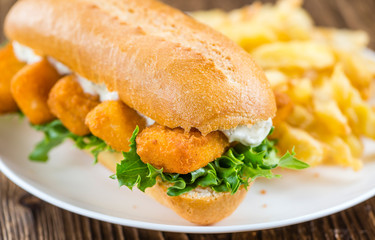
[[96, 120], [252, 135]]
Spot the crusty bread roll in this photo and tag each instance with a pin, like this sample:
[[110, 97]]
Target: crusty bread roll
[[201, 206], [163, 63]]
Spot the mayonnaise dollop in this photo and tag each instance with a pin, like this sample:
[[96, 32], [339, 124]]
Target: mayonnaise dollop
[[60, 68], [149, 121], [25, 54], [250, 136], [97, 89]]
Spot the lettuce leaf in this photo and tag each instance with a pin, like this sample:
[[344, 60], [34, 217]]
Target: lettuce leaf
[[56, 133], [238, 166], [132, 171]]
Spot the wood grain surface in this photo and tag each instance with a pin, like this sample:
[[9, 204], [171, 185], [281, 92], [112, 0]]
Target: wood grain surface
[[23, 216]]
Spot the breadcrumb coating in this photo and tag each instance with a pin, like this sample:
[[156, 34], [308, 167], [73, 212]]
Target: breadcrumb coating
[[178, 152], [114, 122], [9, 66], [30, 88], [71, 104]]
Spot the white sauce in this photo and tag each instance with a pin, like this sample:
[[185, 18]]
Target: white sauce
[[149, 121], [97, 89], [87, 86], [25, 54], [60, 68], [250, 136]]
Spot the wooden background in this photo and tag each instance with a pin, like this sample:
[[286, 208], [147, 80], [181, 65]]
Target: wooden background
[[23, 216]]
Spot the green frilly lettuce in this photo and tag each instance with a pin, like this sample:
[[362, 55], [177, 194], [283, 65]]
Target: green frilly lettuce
[[238, 166], [55, 133]]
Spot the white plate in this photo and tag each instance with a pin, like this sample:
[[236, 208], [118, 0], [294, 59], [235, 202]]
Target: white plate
[[70, 181]]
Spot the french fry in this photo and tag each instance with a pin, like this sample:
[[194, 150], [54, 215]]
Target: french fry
[[328, 112], [338, 152], [277, 79], [341, 39], [301, 90], [294, 54], [258, 24], [359, 70], [284, 107], [360, 114], [295, 22], [330, 116], [307, 148], [250, 36], [355, 145], [300, 117]]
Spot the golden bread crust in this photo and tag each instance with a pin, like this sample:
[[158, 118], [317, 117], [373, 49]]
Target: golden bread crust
[[200, 208], [162, 62]]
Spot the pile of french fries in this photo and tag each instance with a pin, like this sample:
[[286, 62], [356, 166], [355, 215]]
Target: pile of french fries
[[322, 78]]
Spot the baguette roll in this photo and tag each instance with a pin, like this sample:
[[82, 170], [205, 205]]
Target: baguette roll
[[162, 63]]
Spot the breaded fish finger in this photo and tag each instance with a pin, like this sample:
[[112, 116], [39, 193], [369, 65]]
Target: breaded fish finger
[[9, 66], [114, 122], [30, 88], [179, 152], [71, 104]]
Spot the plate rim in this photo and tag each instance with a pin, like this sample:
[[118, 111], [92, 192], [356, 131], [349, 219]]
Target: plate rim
[[11, 175]]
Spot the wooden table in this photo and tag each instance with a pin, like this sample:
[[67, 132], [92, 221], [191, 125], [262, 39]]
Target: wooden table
[[23, 216]]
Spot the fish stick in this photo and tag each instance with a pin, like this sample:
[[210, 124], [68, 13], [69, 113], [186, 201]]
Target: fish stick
[[30, 88], [114, 122], [71, 104], [178, 152], [9, 66]]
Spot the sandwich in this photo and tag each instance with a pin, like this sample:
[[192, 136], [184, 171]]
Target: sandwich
[[168, 104]]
